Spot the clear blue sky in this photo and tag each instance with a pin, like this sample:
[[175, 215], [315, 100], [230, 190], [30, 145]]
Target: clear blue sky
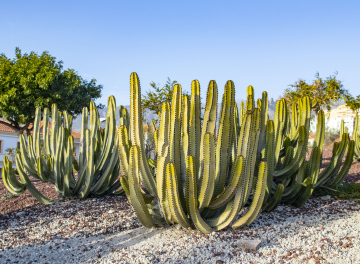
[[267, 44]]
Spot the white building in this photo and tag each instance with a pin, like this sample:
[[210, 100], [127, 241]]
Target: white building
[[9, 138], [334, 117]]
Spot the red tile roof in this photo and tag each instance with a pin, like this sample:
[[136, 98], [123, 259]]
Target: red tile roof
[[6, 128]]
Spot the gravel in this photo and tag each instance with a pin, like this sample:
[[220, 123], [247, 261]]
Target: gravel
[[322, 231]]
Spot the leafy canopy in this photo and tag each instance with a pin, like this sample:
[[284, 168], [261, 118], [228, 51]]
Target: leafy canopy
[[353, 103], [153, 100], [29, 81], [322, 92]]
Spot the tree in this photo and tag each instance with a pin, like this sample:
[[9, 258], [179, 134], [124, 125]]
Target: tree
[[353, 103], [321, 92], [153, 100], [29, 81]]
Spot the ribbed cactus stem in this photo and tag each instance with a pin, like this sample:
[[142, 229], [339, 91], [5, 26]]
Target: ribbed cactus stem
[[137, 134], [225, 137], [195, 122]]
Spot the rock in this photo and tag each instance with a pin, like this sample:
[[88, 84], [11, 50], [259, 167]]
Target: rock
[[20, 214], [249, 244], [325, 198], [111, 211]]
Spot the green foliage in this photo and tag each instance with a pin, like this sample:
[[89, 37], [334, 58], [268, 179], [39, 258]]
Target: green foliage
[[345, 191], [154, 99], [30, 80], [353, 103], [321, 91]]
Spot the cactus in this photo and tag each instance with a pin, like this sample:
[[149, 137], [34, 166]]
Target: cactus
[[98, 169], [356, 137], [200, 181]]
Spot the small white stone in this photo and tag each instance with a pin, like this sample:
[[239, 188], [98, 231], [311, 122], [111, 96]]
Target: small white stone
[[249, 244], [111, 211], [325, 198]]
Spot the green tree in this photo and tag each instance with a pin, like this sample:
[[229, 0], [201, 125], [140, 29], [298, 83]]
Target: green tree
[[29, 81], [353, 103], [154, 99], [322, 92]]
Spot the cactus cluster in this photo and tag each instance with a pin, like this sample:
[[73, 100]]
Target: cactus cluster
[[205, 176], [206, 173], [98, 166], [293, 179], [356, 137], [202, 176]]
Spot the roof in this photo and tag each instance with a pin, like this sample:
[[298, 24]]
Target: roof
[[5, 128]]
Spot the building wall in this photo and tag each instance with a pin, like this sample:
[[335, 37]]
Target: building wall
[[9, 140]]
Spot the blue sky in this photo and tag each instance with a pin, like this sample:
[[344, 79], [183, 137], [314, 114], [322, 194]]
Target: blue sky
[[267, 44]]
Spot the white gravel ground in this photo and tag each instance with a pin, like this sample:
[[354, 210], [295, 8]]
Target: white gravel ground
[[106, 230]]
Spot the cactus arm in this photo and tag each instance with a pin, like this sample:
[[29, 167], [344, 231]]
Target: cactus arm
[[59, 177], [162, 160], [230, 190], [103, 182], [90, 166], [125, 185], [333, 167], [294, 122], [137, 133], [46, 131], [223, 148], [40, 169], [342, 128], [185, 147], [314, 168], [226, 217], [250, 101], [248, 141], [175, 138], [320, 131], [84, 127], [236, 132], [347, 164], [263, 123], [25, 159], [299, 156], [199, 222], [356, 137], [292, 190], [279, 125], [68, 166], [269, 156], [123, 149], [109, 134], [36, 133], [208, 172], [136, 196], [209, 122], [31, 152], [24, 178], [257, 201], [174, 200], [10, 181], [195, 122], [275, 200]]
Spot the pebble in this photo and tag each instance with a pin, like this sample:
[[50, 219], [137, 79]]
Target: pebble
[[287, 235]]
